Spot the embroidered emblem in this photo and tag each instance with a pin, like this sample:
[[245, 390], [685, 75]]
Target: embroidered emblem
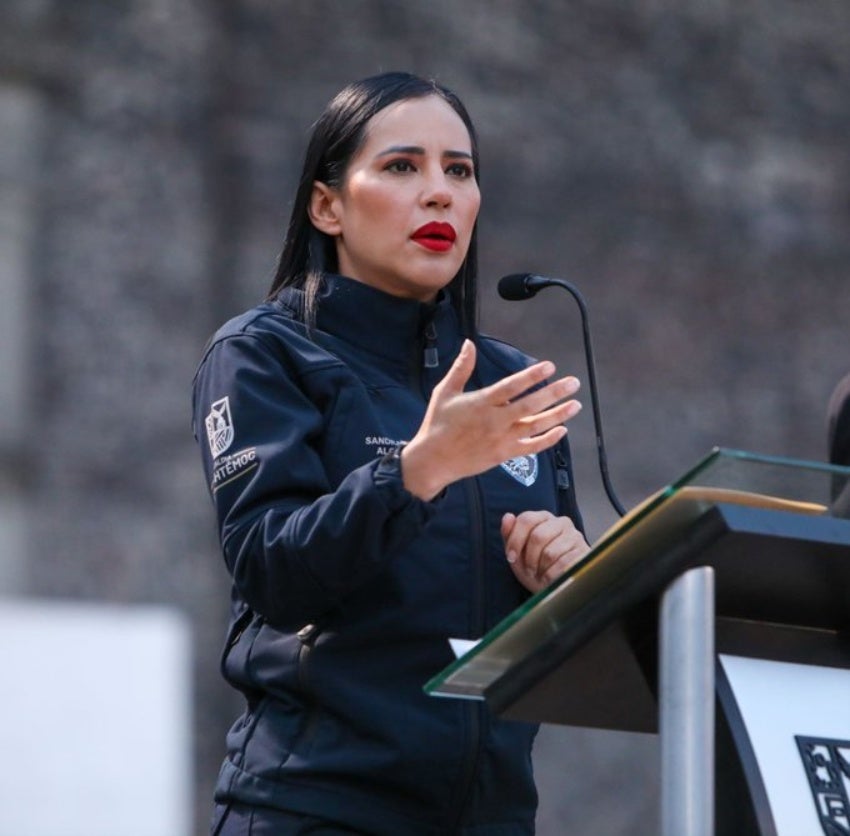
[[219, 427], [522, 468], [827, 765]]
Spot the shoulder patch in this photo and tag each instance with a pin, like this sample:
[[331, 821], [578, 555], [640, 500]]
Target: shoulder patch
[[219, 424]]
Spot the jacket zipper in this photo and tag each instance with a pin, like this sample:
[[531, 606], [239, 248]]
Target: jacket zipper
[[425, 356], [430, 355], [307, 636], [562, 479], [474, 710]]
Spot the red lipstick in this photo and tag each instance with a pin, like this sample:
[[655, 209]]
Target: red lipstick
[[435, 236]]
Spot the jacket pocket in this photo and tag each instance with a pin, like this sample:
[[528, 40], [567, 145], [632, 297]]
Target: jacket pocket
[[235, 660]]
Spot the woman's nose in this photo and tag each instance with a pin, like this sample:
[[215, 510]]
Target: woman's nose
[[437, 191]]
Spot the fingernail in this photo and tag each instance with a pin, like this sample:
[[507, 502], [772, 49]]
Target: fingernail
[[511, 556]]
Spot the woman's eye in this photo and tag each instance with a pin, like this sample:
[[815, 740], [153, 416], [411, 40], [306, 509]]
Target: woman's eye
[[460, 170], [401, 166]]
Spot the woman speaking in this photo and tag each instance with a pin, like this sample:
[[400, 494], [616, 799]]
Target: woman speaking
[[384, 478]]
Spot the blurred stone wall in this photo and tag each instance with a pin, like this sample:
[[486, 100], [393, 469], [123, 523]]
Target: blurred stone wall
[[685, 163]]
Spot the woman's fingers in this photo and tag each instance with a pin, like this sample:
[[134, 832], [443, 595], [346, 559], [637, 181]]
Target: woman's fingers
[[540, 546], [516, 387], [545, 396], [536, 411], [531, 425], [530, 532], [536, 443]]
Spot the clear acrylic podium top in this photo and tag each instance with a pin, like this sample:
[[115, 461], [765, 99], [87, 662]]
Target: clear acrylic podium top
[[779, 499]]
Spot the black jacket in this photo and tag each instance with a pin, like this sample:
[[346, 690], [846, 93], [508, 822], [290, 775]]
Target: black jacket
[[346, 588]]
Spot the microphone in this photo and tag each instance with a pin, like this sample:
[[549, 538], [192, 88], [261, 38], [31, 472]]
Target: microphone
[[519, 286]]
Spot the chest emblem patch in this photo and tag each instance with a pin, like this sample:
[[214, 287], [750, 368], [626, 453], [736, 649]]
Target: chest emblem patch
[[522, 468]]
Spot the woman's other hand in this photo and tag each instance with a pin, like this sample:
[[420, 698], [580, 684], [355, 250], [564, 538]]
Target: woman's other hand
[[540, 547]]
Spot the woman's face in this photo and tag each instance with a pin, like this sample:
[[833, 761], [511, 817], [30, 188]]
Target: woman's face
[[403, 217]]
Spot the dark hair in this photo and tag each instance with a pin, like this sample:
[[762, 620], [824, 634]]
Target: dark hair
[[337, 136]]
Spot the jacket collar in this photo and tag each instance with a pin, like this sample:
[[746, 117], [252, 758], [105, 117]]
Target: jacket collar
[[377, 322]]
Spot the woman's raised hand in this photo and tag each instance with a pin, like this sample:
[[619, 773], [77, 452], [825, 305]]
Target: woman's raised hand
[[466, 433]]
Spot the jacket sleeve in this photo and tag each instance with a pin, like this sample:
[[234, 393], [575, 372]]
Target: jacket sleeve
[[294, 544]]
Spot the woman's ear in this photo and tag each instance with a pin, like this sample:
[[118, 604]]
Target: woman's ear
[[323, 209]]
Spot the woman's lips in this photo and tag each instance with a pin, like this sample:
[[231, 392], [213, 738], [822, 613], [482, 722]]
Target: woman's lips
[[435, 236]]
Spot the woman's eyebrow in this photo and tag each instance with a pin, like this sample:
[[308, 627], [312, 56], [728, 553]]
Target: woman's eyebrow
[[458, 155], [401, 149], [418, 150]]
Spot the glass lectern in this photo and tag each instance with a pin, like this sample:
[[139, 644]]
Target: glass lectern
[[734, 580]]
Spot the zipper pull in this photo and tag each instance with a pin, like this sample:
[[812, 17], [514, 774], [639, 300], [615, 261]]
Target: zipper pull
[[431, 357], [563, 473], [307, 633]]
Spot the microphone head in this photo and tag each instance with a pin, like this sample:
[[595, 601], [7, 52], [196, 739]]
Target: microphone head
[[517, 286]]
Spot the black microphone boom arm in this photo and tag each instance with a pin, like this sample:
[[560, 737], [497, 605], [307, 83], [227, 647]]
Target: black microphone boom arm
[[525, 285]]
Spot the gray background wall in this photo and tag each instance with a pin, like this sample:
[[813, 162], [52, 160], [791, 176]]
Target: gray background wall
[[685, 163]]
